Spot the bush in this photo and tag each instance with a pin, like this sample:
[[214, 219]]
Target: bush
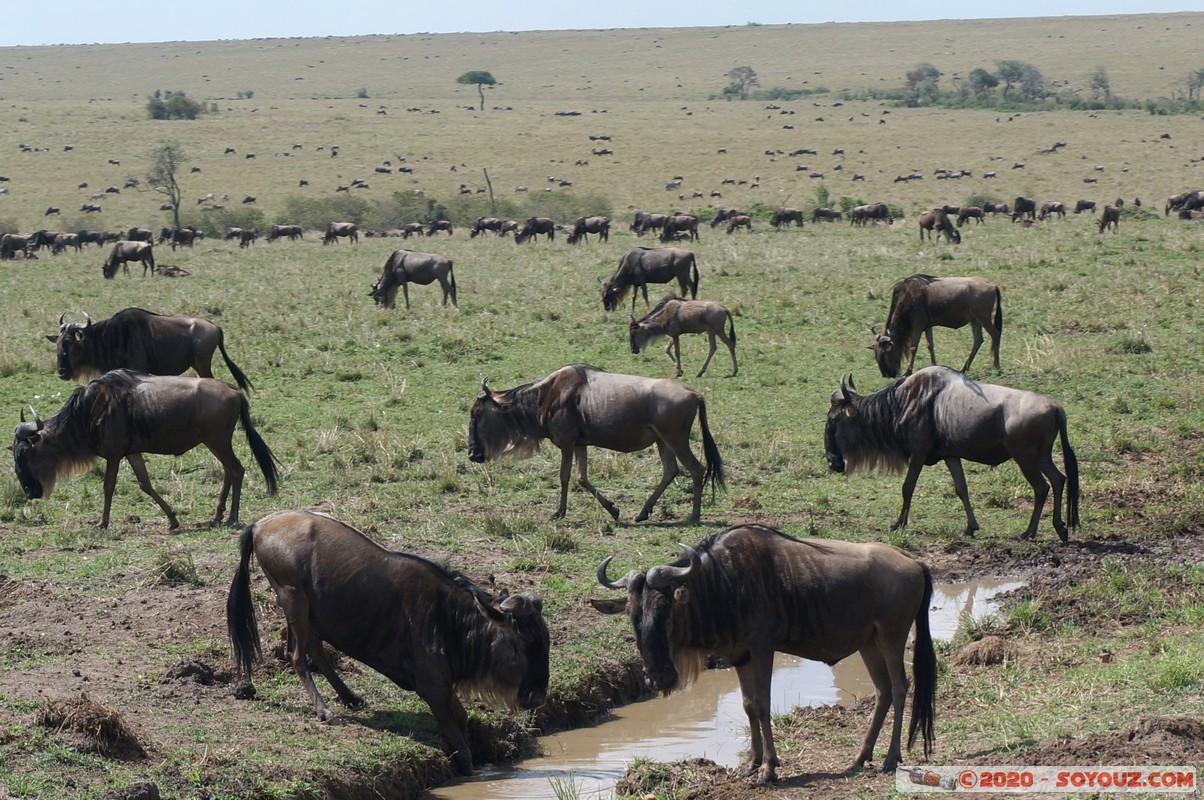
[[315, 213], [173, 105], [215, 222]]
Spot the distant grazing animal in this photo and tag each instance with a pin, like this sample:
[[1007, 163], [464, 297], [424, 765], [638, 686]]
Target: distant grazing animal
[[428, 629], [937, 219], [11, 244], [125, 251], [183, 237], [247, 237], [751, 591], [485, 224], [535, 226], [645, 222], [404, 267], [584, 226], [280, 231], [508, 226], [996, 208], [42, 238], [580, 405], [722, 215], [124, 414], [1024, 208], [870, 213], [412, 229], [938, 414], [674, 316], [828, 214], [64, 240], [921, 302], [51, 210], [680, 224], [785, 216], [1084, 205], [249, 199], [142, 341], [140, 235], [970, 212], [644, 265], [1183, 201], [1051, 207], [334, 230], [739, 221], [439, 225], [1110, 217]]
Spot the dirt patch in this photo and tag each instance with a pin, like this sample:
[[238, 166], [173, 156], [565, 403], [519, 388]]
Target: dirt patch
[[92, 727], [1154, 740]]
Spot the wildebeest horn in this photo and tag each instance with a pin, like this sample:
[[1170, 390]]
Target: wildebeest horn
[[89, 319], [661, 577], [873, 332], [62, 317], [852, 385], [37, 421], [621, 583], [844, 389], [520, 605], [485, 385]]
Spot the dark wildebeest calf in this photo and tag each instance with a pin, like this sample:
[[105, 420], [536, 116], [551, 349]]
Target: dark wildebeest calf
[[644, 265], [939, 414], [751, 591], [404, 267], [920, 303], [580, 405], [674, 316], [123, 414], [1110, 217], [426, 628]]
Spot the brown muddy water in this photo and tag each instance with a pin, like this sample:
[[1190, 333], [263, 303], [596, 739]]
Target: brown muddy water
[[707, 720]]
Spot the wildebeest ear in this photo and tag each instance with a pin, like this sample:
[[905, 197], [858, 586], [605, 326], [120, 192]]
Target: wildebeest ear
[[51, 338], [609, 606], [681, 595], [520, 605]]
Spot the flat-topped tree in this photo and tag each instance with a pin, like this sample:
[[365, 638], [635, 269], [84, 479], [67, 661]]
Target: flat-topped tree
[[481, 78]]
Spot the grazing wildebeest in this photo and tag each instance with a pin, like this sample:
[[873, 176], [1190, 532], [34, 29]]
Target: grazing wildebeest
[[90, 237], [535, 226], [126, 251], [336, 229], [183, 237], [722, 215], [937, 219], [580, 405], [412, 229], [1111, 216], [1183, 201], [42, 238], [124, 414], [674, 316], [64, 240], [828, 214], [1084, 205], [586, 225], [939, 414], [280, 231], [51, 210], [784, 216], [1051, 207], [425, 627], [677, 224], [920, 303], [485, 224], [11, 244], [1024, 208], [645, 222], [751, 591], [644, 265], [142, 341], [970, 212], [404, 267], [140, 235], [996, 208], [247, 237], [439, 225], [870, 213], [739, 221]]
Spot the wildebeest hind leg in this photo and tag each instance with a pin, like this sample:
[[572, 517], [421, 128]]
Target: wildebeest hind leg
[[234, 472], [317, 654], [963, 493], [139, 466], [669, 472], [296, 613], [977, 328], [1032, 474], [876, 666], [583, 482]]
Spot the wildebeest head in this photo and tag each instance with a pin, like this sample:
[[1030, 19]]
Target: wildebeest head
[[26, 438], [70, 346], [887, 353], [639, 336], [519, 664], [652, 599], [838, 428], [612, 295], [492, 430]]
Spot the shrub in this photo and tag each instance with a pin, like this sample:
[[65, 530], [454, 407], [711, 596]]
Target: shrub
[[173, 105]]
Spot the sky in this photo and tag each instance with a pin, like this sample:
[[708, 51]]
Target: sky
[[117, 21]]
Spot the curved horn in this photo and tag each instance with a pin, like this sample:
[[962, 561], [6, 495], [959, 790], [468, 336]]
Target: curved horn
[[852, 385], [621, 583], [484, 385], [89, 319], [873, 332], [844, 390], [62, 317], [36, 419], [660, 577]]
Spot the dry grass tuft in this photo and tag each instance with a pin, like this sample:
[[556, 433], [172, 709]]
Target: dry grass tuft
[[92, 727]]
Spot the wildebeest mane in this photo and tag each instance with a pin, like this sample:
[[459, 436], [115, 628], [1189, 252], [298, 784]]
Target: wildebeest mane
[[906, 297], [881, 446]]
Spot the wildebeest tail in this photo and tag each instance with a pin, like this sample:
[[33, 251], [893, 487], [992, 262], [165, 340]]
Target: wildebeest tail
[[710, 452], [241, 379], [923, 698], [1072, 474], [731, 327], [693, 277], [451, 280], [998, 310], [240, 611], [263, 455]]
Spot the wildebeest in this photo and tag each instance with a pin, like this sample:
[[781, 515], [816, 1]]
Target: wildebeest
[[1084, 205], [645, 222], [580, 405], [64, 240], [247, 237], [921, 302], [1051, 207], [870, 213], [584, 226], [1184, 201], [280, 231], [970, 212], [751, 591], [11, 244], [439, 225], [937, 219], [426, 628], [508, 226], [677, 224], [183, 237], [739, 221], [644, 265], [828, 214], [124, 414], [1024, 208], [485, 224], [996, 208], [674, 316], [404, 267], [535, 226], [142, 341], [126, 251], [140, 235], [412, 229], [939, 414], [784, 216], [1111, 216], [722, 215], [346, 229]]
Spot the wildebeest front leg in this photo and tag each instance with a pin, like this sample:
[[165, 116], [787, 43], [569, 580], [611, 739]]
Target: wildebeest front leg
[[583, 481], [963, 493], [755, 677], [451, 718], [139, 466], [675, 344], [405, 292], [931, 349], [909, 487]]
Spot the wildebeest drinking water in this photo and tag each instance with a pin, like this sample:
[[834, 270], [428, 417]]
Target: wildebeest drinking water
[[644, 265], [579, 405], [126, 251], [938, 414], [674, 316], [124, 414], [751, 591], [142, 341], [404, 267], [426, 628], [921, 302]]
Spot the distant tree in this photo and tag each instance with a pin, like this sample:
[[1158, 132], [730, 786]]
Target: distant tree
[[481, 78], [1101, 86], [1032, 83], [1011, 72], [1195, 82], [740, 79], [173, 105], [982, 82], [922, 82], [166, 161]]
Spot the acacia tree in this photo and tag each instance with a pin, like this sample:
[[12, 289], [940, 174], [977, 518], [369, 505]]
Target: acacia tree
[[741, 78], [1011, 72], [481, 78], [1101, 86], [982, 82], [923, 82], [166, 160]]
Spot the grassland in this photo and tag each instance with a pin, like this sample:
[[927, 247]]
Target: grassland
[[367, 409]]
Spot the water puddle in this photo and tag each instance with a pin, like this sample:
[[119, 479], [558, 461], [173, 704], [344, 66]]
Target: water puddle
[[706, 721]]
